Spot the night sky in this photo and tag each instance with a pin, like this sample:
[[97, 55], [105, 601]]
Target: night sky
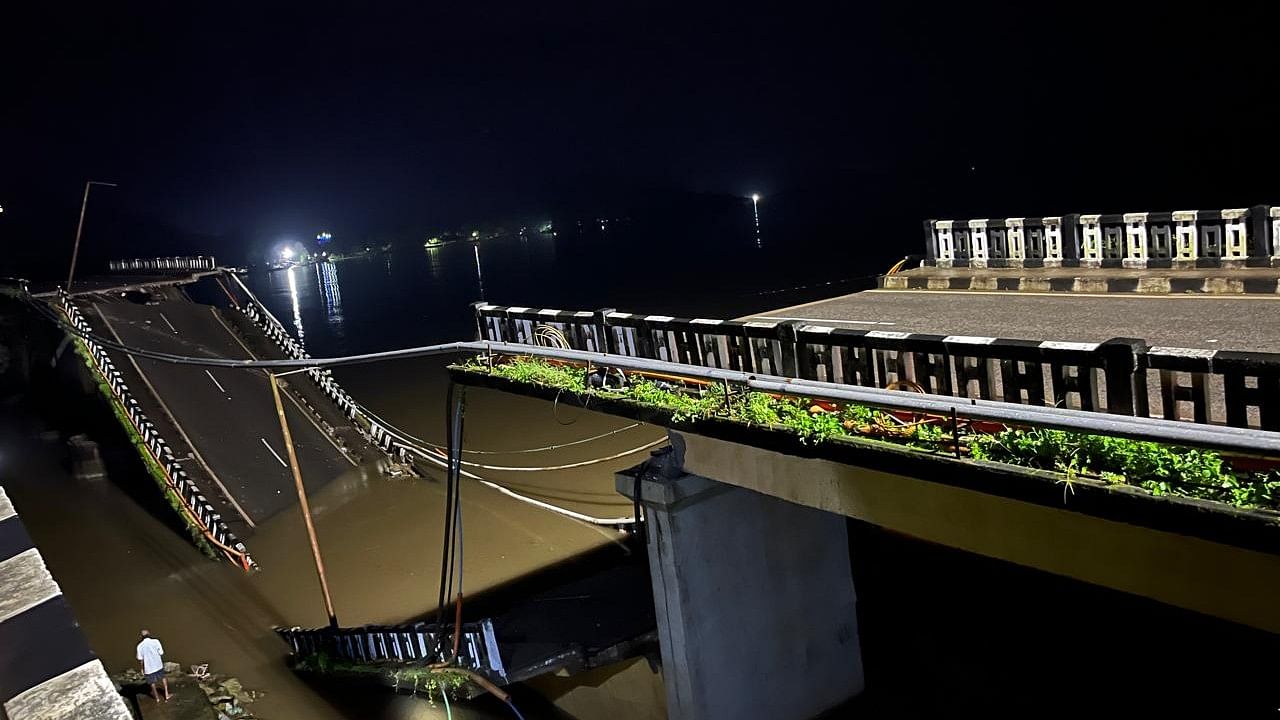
[[229, 126]]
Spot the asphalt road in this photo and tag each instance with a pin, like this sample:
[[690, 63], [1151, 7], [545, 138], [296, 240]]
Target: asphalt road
[[228, 414], [1202, 321]]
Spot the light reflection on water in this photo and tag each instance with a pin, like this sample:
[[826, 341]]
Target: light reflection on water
[[377, 535], [300, 334], [434, 263], [331, 293]]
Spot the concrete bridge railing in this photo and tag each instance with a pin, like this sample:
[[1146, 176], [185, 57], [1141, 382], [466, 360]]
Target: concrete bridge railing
[[200, 512], [1123, 376], [165, 264], [1231, 237]]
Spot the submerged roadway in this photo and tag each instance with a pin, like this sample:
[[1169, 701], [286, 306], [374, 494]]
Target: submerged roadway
[[227, 433]]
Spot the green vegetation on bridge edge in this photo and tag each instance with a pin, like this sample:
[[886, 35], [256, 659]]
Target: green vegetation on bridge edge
[[140, 445], [1156, 468], [419, 679]]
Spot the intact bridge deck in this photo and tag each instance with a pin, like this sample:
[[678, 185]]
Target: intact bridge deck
[[1209, 322]]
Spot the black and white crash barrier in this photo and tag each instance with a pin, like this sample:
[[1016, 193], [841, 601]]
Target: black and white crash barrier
[[198, 508], [47, 669]]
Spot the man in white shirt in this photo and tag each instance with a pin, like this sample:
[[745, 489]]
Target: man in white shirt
[[151, 655]]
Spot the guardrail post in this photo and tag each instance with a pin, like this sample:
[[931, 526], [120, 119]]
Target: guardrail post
[[930, 244], [1071, 240], [787, 340], [1135, 234], [1235, 237], [1120, 365], [979, 251], [1261, 241], [960, 240], [1017, 242], [945, 242], [603, 331]]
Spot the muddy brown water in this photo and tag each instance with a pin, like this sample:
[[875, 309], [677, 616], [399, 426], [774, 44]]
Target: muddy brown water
[[123, 567]]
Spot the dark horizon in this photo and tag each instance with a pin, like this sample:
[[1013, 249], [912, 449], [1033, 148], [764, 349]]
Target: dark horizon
[[228, 130]]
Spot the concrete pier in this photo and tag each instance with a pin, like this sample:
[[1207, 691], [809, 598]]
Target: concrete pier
[[757, 613]]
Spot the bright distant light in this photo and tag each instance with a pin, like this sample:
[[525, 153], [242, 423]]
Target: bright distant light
[[287, 253], [475, 233], [755, 197]]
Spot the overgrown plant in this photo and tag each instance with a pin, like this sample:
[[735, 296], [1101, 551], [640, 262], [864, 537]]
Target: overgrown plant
[[140, 445], [1158, 469], [430, 682]]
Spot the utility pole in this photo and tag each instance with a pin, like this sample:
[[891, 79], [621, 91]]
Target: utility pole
[[302, 500], [75, 250]]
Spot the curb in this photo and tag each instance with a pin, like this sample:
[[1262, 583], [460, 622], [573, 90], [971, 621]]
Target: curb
[[1085, 285]]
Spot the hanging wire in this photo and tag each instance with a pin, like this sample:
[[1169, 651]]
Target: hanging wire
[[533, 501], [513, 709], [444, 693], [565, 466], [426, 443], [550, 336]]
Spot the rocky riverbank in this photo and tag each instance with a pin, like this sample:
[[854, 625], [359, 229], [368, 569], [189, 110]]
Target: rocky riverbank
[[196, 694]]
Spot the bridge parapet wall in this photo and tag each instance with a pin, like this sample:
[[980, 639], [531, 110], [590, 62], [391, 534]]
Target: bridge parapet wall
[[200, 513], [1212, 238], [1122, 376], [183, 264], [47, 669]]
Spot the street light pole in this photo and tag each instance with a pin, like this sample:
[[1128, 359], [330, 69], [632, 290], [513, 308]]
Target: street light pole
[[75, 250]]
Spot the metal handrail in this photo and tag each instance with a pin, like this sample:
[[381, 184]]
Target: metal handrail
[[1246, 440]]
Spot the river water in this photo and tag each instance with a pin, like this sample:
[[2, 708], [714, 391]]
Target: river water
[[123, 566], [977, 634]]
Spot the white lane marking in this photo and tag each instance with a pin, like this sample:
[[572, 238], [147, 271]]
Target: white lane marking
[[178, 426], [215, 382], [818, 321], [166, 322], [305, 413], [273, 452]]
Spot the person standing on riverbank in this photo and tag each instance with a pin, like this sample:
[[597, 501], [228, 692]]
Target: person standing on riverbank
[[151, 655]]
